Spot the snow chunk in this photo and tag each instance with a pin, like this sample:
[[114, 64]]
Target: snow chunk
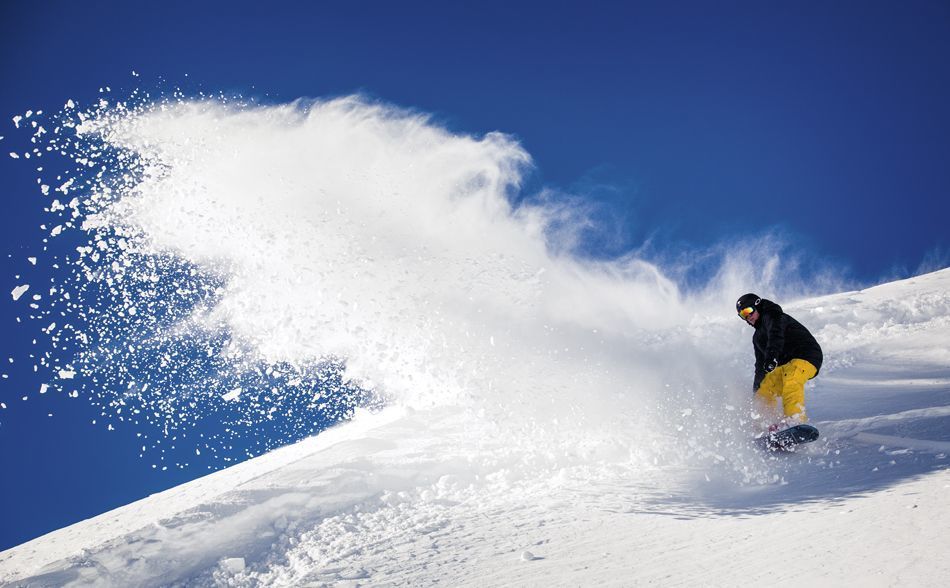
[[66, 186], [66, 374], [232, 395], [20, 291], [234, 565]]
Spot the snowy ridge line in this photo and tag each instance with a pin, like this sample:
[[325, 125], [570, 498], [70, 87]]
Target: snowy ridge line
[[310, 500], [890, 382], [906, 442], [148, 514], [852, 427]]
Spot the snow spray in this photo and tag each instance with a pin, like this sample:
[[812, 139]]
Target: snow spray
[[318, 256]]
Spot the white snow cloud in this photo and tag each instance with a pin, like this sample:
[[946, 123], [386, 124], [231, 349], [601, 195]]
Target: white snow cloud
[[361, 231]]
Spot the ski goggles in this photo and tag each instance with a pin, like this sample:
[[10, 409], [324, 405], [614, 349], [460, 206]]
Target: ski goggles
[[746, 312]]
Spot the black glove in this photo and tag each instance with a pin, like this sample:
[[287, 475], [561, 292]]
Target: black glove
[[771, 365]]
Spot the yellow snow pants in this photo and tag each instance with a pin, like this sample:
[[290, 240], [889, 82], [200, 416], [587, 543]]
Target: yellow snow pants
[[787, 382]]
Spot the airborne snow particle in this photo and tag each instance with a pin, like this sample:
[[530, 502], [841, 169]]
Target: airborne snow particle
[[232, 395], [20, 291]]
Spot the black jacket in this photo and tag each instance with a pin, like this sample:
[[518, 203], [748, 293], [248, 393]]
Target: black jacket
[[779, 336]]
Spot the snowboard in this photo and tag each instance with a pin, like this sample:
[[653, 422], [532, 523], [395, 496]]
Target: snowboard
[[787, 439]]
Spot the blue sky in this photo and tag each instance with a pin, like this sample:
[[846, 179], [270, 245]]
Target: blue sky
[[692, 124]]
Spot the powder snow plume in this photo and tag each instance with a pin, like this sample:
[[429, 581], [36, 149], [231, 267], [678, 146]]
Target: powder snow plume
[[288, 264]]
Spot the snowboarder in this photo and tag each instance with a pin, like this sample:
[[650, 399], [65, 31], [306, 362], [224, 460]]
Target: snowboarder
[[786, 356]]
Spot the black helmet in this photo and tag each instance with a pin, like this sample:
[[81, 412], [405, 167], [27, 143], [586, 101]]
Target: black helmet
[[747, 301]]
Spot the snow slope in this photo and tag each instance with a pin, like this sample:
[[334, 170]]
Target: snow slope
[[444, 496], [550, 419]]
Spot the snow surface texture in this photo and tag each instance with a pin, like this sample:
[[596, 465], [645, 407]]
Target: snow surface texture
[[548, 420]]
